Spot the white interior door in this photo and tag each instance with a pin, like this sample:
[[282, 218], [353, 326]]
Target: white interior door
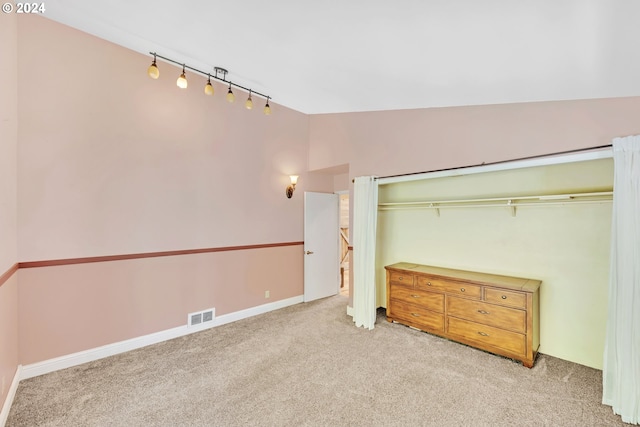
[[321, 245]]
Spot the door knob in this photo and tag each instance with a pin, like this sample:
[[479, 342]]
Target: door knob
[[308, 252]]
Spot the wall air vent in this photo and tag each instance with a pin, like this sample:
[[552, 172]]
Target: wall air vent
[[201, 318], [195, 319]]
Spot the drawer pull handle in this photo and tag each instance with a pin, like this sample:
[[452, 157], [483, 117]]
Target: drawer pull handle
[[415, 314], [483, 312], [483, 334], [461, 289], [428, 283], [415, 296], [504, 297], [400, 278]]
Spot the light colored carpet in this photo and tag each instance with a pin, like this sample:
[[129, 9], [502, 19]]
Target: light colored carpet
[[308, 365]]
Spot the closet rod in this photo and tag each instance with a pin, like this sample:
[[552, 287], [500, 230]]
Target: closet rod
[[492, 205], [510, 202], [540, 156], [541, 198]]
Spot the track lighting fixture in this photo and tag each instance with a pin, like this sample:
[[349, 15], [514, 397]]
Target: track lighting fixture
[[153, 70], [182, 80], [208, 88], [219, 74]]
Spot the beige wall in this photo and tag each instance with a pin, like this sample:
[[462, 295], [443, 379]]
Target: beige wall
[[8, 201], [566, 246]]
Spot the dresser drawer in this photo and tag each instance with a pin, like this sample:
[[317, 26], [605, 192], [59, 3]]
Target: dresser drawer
[[428, 300], [449, 286], [507, 298], [487, 335], [401, 278], [416, 316], [488, 314]]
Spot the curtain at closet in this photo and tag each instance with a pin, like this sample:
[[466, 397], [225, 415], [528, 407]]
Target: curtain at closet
[[621, 371], [365, 217]]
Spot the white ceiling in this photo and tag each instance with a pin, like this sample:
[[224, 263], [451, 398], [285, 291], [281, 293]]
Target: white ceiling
[[329, 56]]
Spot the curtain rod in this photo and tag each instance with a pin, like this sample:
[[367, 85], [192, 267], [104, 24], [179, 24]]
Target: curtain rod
[[540, 156]]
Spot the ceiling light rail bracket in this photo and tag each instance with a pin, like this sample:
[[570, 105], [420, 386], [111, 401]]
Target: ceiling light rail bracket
[[220, 70]]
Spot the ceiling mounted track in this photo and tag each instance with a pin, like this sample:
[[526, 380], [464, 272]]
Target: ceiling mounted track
[[219, 74]]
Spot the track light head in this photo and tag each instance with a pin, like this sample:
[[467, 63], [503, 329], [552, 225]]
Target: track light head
[[230, 96], [153, 70], [208, 88], [182, 80], [249, 102], [267, 108]]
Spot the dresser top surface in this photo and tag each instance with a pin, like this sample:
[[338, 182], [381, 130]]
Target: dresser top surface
[[516, 283]]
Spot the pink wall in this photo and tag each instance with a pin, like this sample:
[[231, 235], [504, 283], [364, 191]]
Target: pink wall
[[8, 201], [9, 357], [69, 308], [406, 141], [112, 162], [8, 141], [341, 182]]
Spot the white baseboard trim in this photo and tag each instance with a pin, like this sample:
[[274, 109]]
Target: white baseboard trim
[[74, 359], [350, 311], [6, 406]]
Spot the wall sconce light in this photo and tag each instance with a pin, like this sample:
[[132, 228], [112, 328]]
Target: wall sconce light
[[292, 186], [220, 74]]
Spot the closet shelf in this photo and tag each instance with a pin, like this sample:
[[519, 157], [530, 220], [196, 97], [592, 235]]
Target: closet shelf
[[508, 202]]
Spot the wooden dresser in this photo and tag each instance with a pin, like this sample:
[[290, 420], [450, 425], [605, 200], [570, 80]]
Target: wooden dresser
[[498, 314]]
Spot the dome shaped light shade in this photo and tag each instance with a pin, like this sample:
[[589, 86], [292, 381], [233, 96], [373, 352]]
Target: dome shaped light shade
[[153, 70], [182, 80], [230, 96], [208, 88]]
